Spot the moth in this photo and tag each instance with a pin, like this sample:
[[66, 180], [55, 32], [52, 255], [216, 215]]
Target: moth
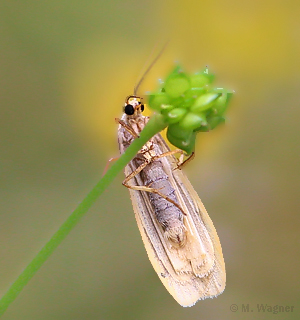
[[180, 239]]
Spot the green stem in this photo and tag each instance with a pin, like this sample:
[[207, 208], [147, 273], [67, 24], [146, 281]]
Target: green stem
[[155, 125]]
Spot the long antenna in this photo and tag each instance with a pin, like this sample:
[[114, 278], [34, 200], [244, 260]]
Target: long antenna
[[149, 68]]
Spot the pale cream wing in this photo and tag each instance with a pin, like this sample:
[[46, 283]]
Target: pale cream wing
[[195, 271], [182, 287], [199, 216], [217, 276]]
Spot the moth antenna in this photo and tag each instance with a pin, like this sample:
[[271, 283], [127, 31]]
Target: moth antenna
[[149, 59], [136, 87]]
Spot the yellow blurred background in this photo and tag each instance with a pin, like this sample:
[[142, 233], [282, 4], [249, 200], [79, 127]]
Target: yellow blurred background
[[65, 69]]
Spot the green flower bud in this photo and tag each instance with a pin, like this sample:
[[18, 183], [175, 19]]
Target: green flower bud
[[166, 108], [157, 100], [221, 104], [203, 129], [189, 104], [194, 92], [204, 102], [186, 143], [177, 102], [214, 121], [176, 114], [176, 131], [199, 80], [191, 121], [176, 85]]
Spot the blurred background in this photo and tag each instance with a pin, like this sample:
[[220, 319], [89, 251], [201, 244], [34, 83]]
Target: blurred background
[[65, 69]]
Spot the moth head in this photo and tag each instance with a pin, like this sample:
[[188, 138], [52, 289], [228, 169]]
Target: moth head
[[133, 106]]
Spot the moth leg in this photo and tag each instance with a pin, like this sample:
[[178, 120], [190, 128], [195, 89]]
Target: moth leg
[[108, 163], [168, 153], [147, 188], [133, 174], [182, 163], [127, 127], [142, 166]]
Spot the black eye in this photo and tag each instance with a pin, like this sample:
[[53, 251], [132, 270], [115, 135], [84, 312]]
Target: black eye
[[142, 106], [129, 110]]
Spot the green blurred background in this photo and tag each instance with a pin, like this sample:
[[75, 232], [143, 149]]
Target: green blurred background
[[65, 69]]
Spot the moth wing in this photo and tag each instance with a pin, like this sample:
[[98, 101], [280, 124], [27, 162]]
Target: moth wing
[[186, 287], [183, 292], [200, 217], [217, 277]]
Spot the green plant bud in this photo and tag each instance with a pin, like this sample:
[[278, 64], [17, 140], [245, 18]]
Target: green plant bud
[[191, 121], [214, 121], [204, 102], [157, 100], [221, 104], [187, 103], [203, 129], [194, 92], [200, 79], [187, 143], [176, 114], [177, 102], [176, 131], [176, 85], [166, 108]]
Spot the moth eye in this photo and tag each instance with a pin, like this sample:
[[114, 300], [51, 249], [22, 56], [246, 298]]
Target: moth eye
[[142, 107], [129, 110]]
